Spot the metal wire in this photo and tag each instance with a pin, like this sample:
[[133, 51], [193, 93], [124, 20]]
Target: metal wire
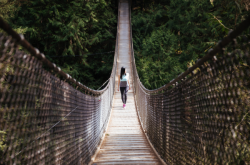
[[45, 119], [40, 56], [49, 128], [202, 116], [103, 84]]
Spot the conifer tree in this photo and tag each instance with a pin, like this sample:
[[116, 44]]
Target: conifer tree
[[62, 29], [170, 36], [7, 11]]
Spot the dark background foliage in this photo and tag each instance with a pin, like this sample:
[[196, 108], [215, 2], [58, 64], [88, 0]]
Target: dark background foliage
[[65, 29], [168, 35]]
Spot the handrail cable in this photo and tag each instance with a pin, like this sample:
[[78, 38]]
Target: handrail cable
[[33, 98], [35, 52], [201, 119], [211, 53], [103, 84]]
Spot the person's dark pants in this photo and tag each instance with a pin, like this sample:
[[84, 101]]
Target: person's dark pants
[[124, 91]]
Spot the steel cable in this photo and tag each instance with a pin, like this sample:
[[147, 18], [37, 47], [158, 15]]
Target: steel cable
[[34, 102], [202, 116]]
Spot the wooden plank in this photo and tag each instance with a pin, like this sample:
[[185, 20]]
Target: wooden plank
[[128, 158], [125, 154], [107, 151], [124, 141], [148, 162]]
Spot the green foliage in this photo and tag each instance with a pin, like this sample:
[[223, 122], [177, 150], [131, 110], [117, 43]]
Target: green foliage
[[2, 141], [7, 8], [7, 11], [168, 35], [67, 28]]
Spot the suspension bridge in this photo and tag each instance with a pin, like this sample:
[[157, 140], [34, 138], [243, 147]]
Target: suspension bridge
[[201, 117]]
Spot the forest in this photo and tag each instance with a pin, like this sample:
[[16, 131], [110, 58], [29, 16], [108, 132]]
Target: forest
[[168, 35]]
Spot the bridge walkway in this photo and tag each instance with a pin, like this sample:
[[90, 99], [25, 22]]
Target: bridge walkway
[[124, 141]]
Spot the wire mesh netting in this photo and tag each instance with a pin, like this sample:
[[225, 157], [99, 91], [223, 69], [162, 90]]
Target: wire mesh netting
[[203, 117], [200, 118], [44, 119]]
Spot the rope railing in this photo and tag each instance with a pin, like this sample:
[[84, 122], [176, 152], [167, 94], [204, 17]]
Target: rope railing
[[47, 117], [202, 116]]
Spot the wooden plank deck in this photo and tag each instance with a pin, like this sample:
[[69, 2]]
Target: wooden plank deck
[[124, 141]]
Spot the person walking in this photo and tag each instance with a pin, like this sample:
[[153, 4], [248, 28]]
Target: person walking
[[124, 85]]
